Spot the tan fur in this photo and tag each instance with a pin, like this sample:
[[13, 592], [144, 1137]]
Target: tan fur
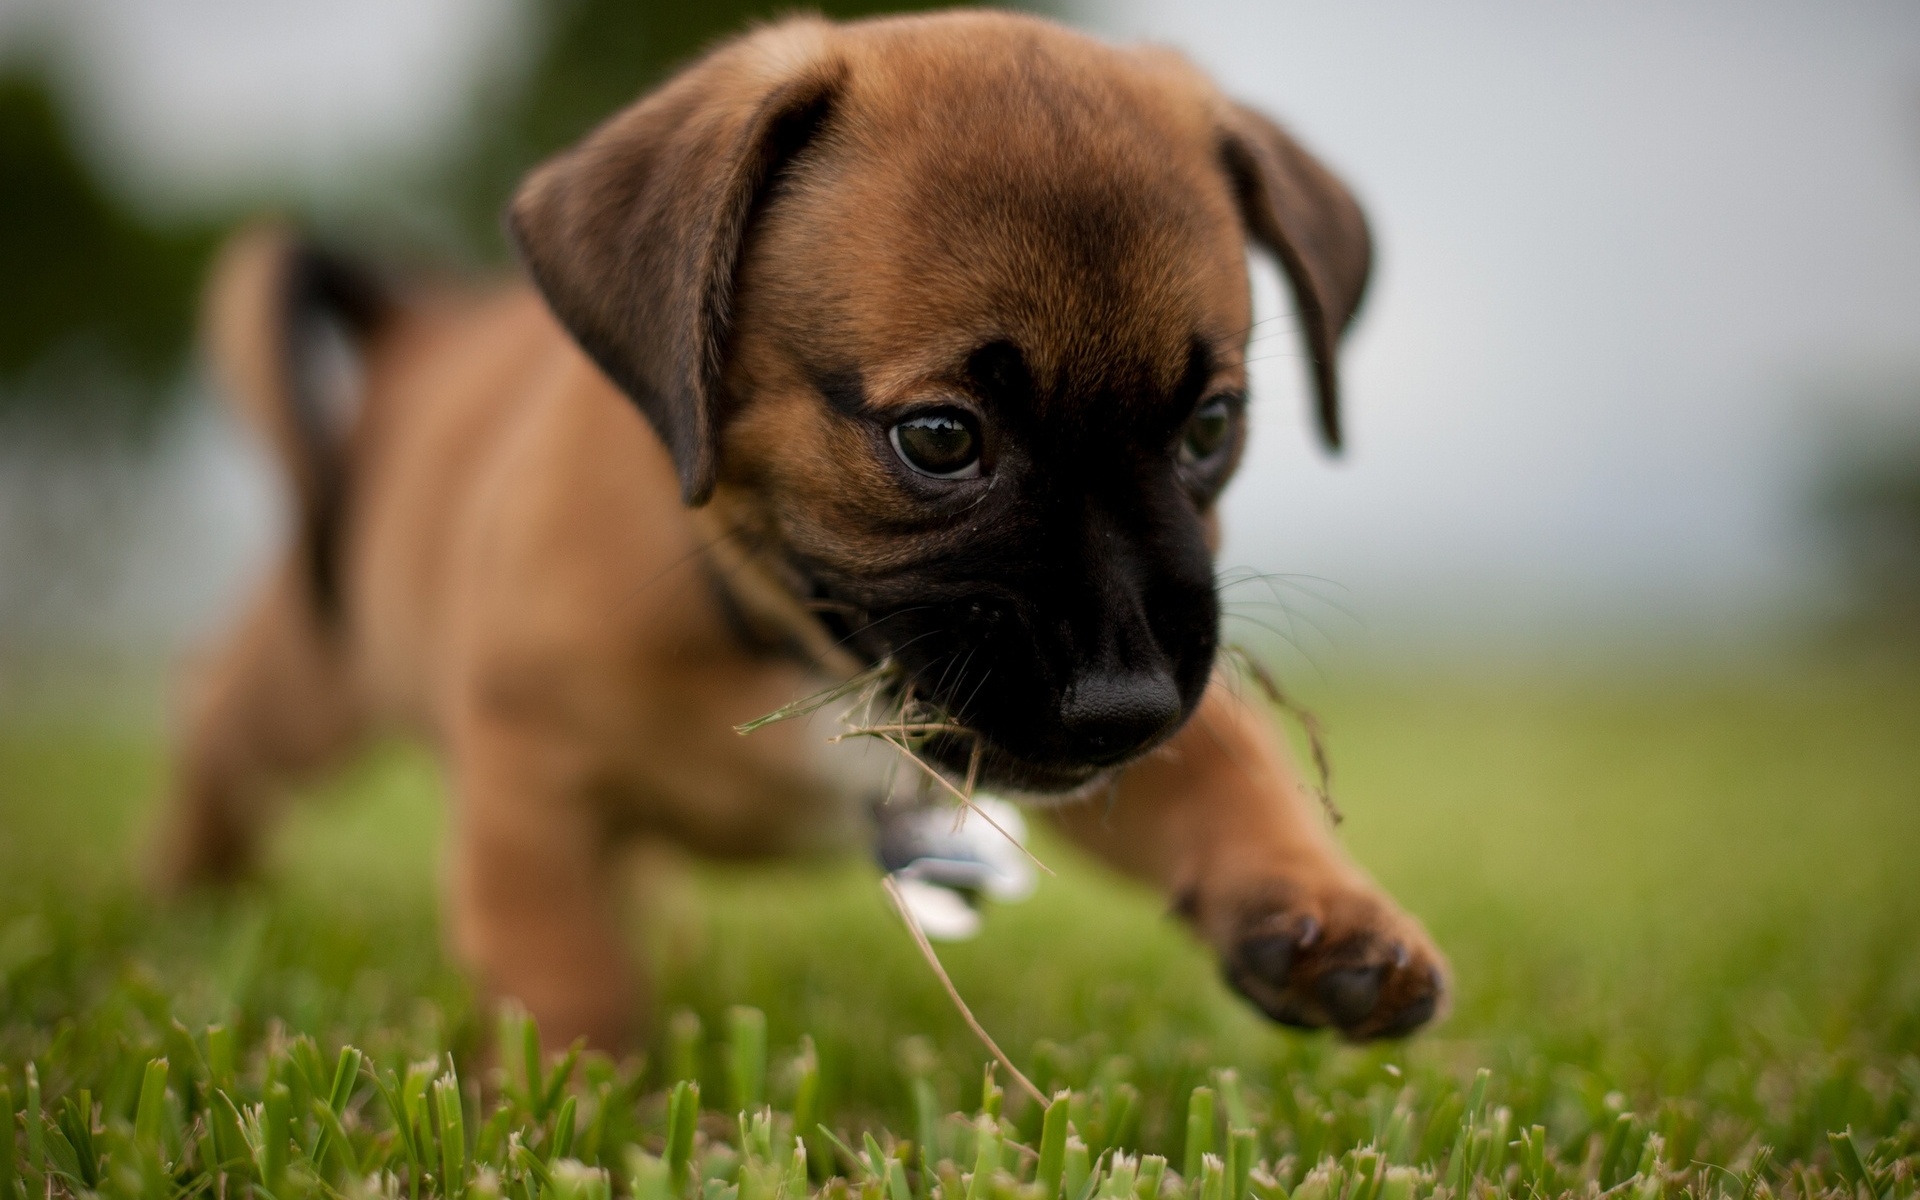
[[525, 585]]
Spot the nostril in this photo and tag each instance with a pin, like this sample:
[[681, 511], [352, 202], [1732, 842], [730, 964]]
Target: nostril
[[1108, 717]]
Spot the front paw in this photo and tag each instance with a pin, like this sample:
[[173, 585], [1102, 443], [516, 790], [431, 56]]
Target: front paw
[[1340, 955]]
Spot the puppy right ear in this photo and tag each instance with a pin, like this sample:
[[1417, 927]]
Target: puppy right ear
[[634, 234], [1302, 214]]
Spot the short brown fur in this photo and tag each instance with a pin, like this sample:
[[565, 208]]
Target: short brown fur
[[811, 211]]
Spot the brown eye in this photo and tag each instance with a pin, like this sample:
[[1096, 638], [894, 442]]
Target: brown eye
[[943, 445], [1207, 432]]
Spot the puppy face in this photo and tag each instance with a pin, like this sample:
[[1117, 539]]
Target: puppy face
[[972, 366]]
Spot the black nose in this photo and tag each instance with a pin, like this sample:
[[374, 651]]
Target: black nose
[[1109, 716]]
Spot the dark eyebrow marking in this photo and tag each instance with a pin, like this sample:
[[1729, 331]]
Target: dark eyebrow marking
[[999, 371], [1199, 371], [845, 391]]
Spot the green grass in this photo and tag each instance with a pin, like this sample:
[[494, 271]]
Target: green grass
[[1692, 901]]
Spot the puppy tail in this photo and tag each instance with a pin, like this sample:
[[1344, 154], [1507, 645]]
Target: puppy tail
[[287, 325]]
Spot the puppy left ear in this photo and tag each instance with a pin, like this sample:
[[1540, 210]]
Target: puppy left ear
[[1301, 214], [633, 235]]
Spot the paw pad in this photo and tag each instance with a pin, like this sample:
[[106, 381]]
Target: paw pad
[[1362, 983]]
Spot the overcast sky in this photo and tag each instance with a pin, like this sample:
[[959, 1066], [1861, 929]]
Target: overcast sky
[[1638, 262]]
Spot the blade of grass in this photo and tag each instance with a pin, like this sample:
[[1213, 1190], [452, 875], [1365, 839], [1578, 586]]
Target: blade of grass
[[1213, 1178], [1199, 1133], [1614, 1156], [564, 1120], [1153, 1168], [390, 1088], [331, 1153], [530, 1066], [561, 1075], [746, 1057], [36, 1131], [346, 1071], [1227, 1083], [897, 1181], [9, 1147], [1242, 1145], [276, 1136], [223, 1122], [220, 1058], [986, 1157], [1123, 1116], [149, 1113], [683, 1046], [683, 1113], [1398, 1184], [806, 1088], [453, 1135], [1053, 1146], [991, 1094], [647, 1176], [1077, 1171], [1853, 1168], [793, 1185]]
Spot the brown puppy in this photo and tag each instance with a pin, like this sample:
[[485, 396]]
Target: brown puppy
[[918, 340]]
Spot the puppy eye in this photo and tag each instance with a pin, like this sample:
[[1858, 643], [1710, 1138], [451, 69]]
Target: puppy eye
[[943, 445], [1207, 432]]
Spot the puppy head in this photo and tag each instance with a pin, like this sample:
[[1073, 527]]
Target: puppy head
[[950, 315]]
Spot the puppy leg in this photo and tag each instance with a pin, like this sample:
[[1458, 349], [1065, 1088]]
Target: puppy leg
[[275, 702], [1219, 821], [533, 882]]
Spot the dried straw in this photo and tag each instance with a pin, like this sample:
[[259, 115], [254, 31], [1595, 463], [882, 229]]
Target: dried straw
[[953, 993], [913, 720], [1308, 721]]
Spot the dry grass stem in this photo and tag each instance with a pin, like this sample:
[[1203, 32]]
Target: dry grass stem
[[965, 799], [953, 993], [877, 674], [1309, 724], [912, 719]]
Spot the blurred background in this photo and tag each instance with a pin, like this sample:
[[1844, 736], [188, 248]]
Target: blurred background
[[1639, 374]]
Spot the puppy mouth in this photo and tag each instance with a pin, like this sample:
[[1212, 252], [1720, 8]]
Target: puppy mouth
[[967, 756], [1002, 770], [977, 693]]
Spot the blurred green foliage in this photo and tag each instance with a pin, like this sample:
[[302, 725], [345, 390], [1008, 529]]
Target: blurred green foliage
[[98, 301], [1869, 500], [98, 306]]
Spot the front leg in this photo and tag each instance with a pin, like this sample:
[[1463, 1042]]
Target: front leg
[[532, 881], [1217, 819]]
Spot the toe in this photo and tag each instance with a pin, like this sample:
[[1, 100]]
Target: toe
[[1270, 958], [1413, 997], [1411, 1017], [1349, 994]]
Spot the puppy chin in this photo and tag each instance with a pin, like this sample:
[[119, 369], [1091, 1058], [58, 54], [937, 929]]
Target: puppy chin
[[1026, 782], [1097, 784]]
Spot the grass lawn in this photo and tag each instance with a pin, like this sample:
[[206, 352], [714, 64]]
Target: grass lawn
[[1684, 915]]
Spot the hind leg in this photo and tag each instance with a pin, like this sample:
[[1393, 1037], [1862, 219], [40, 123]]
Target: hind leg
[[274, 703]]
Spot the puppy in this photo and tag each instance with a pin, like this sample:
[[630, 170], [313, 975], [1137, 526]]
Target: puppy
[[917, 341]]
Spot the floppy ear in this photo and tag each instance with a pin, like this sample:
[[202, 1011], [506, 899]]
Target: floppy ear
[[633, 235], [1306, 218]]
